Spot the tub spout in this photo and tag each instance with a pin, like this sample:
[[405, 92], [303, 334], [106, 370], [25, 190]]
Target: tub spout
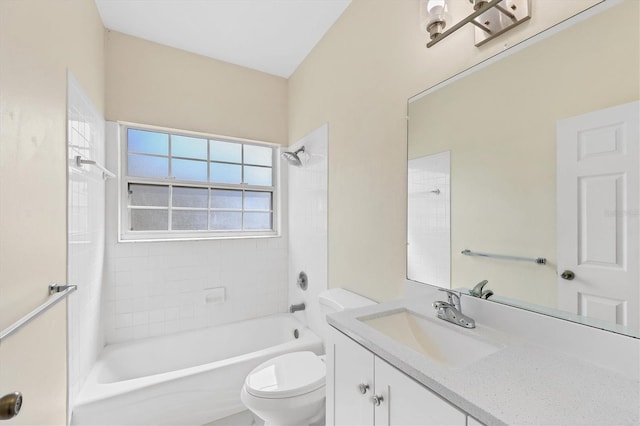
[[295, 308]]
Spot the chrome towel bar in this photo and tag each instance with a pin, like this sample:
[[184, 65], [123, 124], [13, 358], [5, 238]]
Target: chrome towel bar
[[56, 292], [538, 260], [105, 173]]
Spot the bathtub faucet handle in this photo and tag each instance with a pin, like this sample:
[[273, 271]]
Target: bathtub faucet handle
[[298, 307]]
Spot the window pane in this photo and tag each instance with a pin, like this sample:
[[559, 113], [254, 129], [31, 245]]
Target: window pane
[[226, 199], [147, 142], [184, 183], [226, 221], [149, 220], [226, 173], [185, 146], [190, 197], [257, 200], [257, 175], [148, 195], [259, 155], [189, 170], [226, 151], [257, 221], [145, 166], [182, 220]]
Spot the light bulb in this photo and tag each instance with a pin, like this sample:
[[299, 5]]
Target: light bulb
[[436, 6], [434, 15]]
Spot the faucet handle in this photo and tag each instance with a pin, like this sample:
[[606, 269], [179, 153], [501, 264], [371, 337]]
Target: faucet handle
[[452, 296], [478, 290]]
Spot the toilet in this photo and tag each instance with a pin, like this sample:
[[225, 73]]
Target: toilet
[[290, 389]]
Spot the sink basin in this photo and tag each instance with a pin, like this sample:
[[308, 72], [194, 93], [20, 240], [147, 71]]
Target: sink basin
[[444, 343]]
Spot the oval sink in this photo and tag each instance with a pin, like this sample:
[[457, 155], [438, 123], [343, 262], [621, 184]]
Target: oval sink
[[445, 343]]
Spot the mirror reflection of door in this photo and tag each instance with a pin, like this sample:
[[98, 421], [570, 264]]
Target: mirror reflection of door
[[599, 213], [429, 220]]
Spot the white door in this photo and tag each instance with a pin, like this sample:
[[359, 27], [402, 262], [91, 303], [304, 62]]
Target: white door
[[599, 213]]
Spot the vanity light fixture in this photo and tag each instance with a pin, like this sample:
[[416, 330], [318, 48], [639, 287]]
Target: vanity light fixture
[[490, 17]]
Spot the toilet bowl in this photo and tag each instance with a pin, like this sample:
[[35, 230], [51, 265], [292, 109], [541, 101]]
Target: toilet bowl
[[290, 389], [287, 390]]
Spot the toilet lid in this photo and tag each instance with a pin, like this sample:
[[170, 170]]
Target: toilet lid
[[286, 375]]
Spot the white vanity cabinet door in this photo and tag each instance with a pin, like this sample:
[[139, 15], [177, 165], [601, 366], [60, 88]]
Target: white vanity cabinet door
[[407, 402], [348, 366]]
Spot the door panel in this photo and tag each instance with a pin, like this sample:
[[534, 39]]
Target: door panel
[[601, 236], [602, 308]]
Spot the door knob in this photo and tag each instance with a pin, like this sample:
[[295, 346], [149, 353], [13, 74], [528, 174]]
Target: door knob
[[363, 388], [377, 399], [10, 405], [567, 275]]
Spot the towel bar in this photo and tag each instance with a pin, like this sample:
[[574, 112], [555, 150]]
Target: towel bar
[[56, 292]]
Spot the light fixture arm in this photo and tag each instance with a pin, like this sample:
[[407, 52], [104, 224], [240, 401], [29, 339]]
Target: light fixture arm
[[518, 12]]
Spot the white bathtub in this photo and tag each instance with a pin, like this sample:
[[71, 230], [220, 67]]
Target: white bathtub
[[189, 378]]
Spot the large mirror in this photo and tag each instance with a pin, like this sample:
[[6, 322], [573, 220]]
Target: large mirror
[[524, 173]]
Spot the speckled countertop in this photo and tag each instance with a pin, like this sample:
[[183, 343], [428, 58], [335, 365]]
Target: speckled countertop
[[522, 383]]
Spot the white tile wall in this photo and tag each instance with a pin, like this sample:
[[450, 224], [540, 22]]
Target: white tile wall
[[429, 220], [157, 288], [308, 224], [86, 230]]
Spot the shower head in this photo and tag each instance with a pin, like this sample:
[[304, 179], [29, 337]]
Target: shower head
[[293, 158]]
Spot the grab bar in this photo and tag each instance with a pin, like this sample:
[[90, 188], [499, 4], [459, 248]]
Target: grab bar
[[105, 173], [56, 292], [538, 260]]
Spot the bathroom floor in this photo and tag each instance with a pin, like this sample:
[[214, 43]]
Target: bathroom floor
[[246, 418]]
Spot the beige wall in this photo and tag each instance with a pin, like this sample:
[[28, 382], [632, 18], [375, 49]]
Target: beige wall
[[358, 79], [512, 196], [149, 83], [39, 40]]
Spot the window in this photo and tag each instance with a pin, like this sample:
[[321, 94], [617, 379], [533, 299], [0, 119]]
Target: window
[[179, 185]]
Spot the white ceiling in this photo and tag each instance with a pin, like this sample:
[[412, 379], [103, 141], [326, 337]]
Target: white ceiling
[[273, 36]]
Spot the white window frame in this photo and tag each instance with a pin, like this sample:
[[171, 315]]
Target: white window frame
[[125, 234]]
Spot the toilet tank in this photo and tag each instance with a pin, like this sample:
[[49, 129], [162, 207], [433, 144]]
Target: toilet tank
[[339, 299]]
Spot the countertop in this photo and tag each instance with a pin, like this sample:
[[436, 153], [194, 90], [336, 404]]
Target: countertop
[[522, 383]]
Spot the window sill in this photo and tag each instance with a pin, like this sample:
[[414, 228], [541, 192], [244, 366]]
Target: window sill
[[132, 238]]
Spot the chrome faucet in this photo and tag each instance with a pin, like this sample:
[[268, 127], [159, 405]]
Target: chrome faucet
[[452, 310], [477, 291], [298, 307]]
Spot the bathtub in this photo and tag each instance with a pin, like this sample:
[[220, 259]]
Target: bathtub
[[190, 378]]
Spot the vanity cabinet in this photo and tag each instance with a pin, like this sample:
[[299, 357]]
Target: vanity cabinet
[[363, 389]]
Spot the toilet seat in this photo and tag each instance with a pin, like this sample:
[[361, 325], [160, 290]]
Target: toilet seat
[[286, 376]]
